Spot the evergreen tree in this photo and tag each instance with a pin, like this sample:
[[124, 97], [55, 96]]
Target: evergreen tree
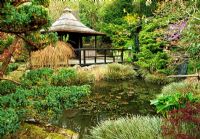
[[22, 19]]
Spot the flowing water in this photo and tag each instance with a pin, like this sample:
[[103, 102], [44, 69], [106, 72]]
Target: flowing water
[[110, 100]]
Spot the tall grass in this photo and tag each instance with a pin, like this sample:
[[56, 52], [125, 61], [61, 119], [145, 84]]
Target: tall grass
[[117, 71], [52, 56], [182, 87], [136, 127]]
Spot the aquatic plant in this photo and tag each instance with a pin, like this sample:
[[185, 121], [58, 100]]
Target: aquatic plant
[[136, 127]]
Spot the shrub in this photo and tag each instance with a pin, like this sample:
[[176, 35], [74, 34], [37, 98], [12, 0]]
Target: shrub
[[38, 77], [179, 103], [7, 87], [157, 78], [137, 127], [12, 67], [64, 76], [44, 102], [183, 122], [9, 121], [119, 72], [84, 77], [182, 87], [165, 103]]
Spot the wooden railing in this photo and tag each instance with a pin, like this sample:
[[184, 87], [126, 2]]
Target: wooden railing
[[88, 56]]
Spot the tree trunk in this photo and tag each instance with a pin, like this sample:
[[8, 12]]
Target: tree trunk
[[8, 56]]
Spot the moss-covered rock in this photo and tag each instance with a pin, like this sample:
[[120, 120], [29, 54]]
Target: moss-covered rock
[[29, 131]]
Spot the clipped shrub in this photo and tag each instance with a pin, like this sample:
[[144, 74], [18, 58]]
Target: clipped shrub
[[9, 121], [64, 76], [117, 71], [37, 77], [136, 127], [7, 87]]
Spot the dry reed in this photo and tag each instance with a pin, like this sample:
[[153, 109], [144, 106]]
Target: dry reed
[[52, 56]]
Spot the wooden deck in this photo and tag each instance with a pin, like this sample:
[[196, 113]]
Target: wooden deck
[[89, 56], [92, 61]]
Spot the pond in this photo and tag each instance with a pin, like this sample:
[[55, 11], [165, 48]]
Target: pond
[[110, 100]]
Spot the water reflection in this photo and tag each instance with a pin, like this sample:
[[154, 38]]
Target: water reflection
[[110, 100]]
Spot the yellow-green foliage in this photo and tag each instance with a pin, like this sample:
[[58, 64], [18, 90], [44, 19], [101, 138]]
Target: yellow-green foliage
[[117, 71], [182, 87], [136, 127], [157, 78]]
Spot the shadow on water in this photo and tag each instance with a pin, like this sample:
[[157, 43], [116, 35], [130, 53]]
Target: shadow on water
[[110, 100]]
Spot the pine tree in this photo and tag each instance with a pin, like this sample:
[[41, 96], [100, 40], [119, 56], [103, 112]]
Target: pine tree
[[22, 19]]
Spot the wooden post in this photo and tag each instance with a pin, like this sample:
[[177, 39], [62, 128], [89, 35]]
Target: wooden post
[[113, 57], [105, 56], [122, 55], [95, 46], [84, 60], [79, 55]]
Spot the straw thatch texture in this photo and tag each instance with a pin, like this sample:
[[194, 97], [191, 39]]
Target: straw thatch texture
[[68, 23], [53, 56]]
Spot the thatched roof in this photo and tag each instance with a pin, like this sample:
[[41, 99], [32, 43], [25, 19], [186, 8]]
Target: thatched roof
[[68, 23]]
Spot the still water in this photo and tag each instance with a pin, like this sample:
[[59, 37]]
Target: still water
[[110, 100]]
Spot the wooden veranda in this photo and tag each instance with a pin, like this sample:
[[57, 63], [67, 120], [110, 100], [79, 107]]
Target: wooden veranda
[[89, 56]]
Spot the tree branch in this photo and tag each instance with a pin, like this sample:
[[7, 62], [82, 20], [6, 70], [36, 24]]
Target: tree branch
[[31, 42], [18, 83]]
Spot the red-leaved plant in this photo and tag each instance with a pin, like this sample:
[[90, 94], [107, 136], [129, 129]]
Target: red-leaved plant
[[183, 123]]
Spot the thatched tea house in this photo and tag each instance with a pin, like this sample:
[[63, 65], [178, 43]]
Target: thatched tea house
[[69, 24]]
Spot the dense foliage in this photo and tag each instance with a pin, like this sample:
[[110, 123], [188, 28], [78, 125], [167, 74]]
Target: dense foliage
[[22, 19], [179, 103], [43, 104]]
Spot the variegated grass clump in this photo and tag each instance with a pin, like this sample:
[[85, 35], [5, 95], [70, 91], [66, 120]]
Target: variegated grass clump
[[136, 127], [52, 56]]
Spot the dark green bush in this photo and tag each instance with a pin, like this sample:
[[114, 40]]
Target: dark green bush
[[12, 67], [9, 121], [38, 77], [7, 87], [43, 101], [64, 77]]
